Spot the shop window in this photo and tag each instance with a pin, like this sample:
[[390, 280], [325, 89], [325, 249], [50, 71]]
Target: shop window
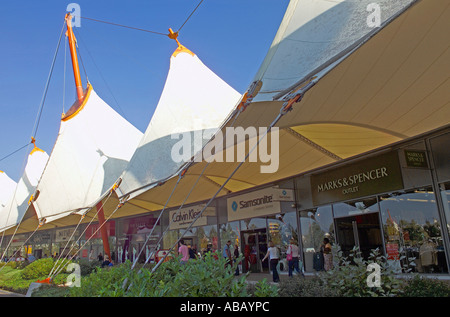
[[356, 207], [282, 228], [201, 239], [445, 195], [412, 229], [358, 225], [316, 224]]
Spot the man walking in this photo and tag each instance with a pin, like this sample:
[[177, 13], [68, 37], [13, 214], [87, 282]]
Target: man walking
[[227, 253]]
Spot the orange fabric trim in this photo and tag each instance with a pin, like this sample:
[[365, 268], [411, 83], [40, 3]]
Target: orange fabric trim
[[182, 49], [48, 280], [36, 149], [80, 107]]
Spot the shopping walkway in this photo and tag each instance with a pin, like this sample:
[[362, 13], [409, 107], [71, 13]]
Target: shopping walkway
[[4, 293]]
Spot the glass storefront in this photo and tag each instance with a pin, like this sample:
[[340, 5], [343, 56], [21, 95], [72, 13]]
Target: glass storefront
[[358, 225], [412, 228], [445, 196], [201, 239], [315, 224], [361, 204], [402, 225], [254, 244], [132, 237]]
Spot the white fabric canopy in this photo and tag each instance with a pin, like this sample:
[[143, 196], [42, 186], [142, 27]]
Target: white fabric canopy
[[7, 187], [16, 207], [194, 101], [312, 33], [92, 149], [392, 86]]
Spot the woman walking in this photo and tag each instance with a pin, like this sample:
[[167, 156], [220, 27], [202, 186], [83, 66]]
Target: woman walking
[[272, 254], [293, 257]]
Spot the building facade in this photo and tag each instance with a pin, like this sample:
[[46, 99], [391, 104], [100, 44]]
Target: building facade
[[395, 199]]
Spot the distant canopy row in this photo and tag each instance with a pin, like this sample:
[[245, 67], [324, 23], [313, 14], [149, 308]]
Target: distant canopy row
[[366, 87]]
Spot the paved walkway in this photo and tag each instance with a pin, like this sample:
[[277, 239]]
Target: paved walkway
[[256, 277], [4, 293]]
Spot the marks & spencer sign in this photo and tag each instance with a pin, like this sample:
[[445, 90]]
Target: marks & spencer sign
[[367, 177]]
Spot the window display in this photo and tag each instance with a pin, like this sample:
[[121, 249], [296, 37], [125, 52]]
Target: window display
[[445, 195], [412, 228], [316, 224]]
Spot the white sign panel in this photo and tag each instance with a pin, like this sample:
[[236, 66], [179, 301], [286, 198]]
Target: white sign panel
[[183, 218], [62, 235], [259, 203]]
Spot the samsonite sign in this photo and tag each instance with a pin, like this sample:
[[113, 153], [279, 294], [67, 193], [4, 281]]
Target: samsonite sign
[[258, 203]]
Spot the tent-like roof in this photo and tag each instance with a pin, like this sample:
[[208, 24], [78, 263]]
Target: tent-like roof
[[391, 86], [92, 149], [7, 187], [14, 210], [382, 85], [193, 105]]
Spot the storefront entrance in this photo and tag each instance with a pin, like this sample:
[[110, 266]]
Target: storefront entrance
[[362, 231], [254, 248]]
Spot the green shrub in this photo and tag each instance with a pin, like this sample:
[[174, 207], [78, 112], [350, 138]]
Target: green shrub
[[51, 291], [207, 277], [419, 286], [264, 289], [87, 267], [37, 269], [12, 264], [349, 277], [299, 286]]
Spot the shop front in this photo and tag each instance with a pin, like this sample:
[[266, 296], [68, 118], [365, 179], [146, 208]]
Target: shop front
[[200, 236], [92, 243], [257, 217], [136, 238], [387, 202]]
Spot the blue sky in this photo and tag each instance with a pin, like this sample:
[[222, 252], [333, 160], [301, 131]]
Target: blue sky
[[127, 68]]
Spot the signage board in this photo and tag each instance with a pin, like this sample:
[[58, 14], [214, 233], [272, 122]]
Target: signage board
[[259, 203], [182, 218], [367, 177], [416, 158], [93, 231], [62, 235]]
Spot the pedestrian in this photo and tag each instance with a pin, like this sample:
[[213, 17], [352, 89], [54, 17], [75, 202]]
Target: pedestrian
[[226, 253], [274, 258], [106, 262], [184, 251], [31, 258], [20, 258], [327, 255], [236, 256], [192, 254], [292, 255]]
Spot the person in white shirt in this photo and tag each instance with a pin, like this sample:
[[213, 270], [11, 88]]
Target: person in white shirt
[[293, 257], [272, 253]]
